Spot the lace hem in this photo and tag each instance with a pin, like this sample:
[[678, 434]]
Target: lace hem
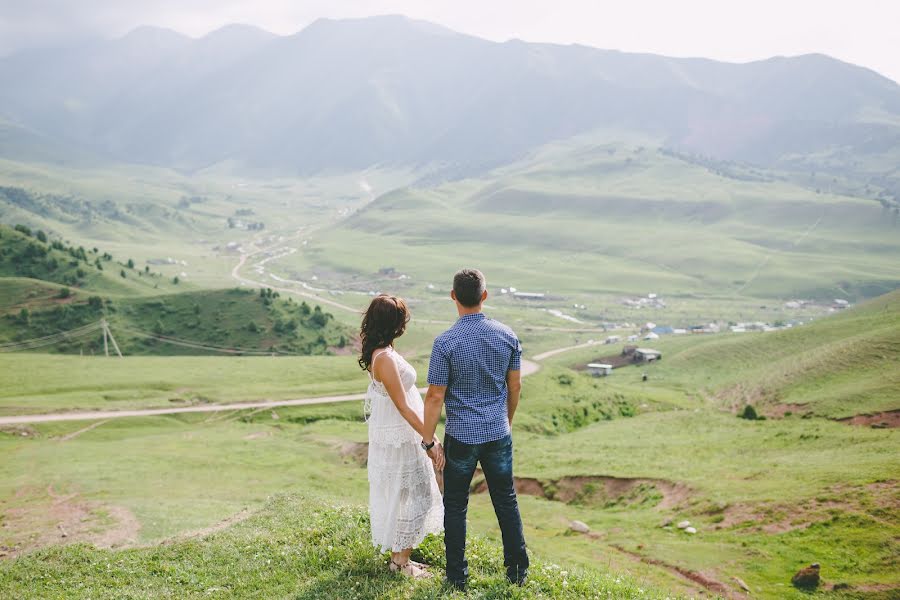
[[420, 511], [434, 523]]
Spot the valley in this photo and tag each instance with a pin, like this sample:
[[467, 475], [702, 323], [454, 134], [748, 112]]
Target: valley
[[736, 222]]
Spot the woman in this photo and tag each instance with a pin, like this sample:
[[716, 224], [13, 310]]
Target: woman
[[404, 501]]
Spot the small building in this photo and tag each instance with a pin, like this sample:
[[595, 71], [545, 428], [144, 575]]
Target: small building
[[632, 338], [647, 355], [529, 295], [651, 336], [613, 339], [599, 369]]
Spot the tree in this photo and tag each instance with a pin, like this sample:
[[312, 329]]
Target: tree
[[24, 316], [41, 236], [175, 280], [64, 293], [122, 273], [130, 263]]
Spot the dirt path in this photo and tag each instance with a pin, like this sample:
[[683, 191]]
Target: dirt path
[[554, 352], [528, 368], [236, 275]]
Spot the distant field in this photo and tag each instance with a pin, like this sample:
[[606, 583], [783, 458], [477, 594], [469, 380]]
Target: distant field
[[613, 221], [37, 383], [837, 367]]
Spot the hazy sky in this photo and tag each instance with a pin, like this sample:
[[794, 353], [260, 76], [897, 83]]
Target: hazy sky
[[865, 32]]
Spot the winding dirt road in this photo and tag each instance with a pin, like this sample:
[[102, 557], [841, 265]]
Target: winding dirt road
[[528, 368]]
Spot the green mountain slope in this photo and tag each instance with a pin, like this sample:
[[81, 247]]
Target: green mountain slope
[[33, 254], [839, 366], [624, 219], [233, 321]]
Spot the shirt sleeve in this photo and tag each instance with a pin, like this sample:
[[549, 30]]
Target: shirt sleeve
[[438, 366], [515, 361]]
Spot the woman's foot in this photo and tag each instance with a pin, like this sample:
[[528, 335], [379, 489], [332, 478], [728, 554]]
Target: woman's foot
[[411, 569]]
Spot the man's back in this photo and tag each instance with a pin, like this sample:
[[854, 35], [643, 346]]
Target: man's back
[[472, 359]]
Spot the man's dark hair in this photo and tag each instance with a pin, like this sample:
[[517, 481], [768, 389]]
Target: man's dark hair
[[469, 285]]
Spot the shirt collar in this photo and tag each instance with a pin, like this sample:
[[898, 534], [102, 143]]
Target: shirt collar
[[473, 317]]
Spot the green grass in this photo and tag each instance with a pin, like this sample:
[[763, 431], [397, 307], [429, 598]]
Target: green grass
[[293, 548], [651, 228], [23, 254], [238, 319], [38, 383]]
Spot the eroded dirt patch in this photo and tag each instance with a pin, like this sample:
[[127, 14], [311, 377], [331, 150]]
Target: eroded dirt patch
[[881, 420], [18, 431], [47, 517], [603, 491], [356, 452], [878, 501], [705, 581]]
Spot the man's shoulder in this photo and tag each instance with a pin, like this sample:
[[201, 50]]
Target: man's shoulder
[[444, 337], [501, 328]]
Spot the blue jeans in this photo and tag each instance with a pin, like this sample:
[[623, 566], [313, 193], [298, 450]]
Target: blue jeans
[[496, 462]]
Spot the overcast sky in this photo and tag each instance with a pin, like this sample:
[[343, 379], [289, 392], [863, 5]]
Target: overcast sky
[[864, 32]]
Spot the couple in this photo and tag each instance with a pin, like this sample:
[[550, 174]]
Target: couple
[[475, 371]]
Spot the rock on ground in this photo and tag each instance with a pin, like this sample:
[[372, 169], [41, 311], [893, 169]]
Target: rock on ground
[[579, 527]]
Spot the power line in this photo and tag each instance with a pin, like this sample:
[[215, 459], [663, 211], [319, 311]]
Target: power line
[[103, 326], [203, 345]]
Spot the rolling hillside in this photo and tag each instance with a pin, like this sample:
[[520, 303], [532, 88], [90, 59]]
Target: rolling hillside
[[26, 253], [48, 287], [844, 365], [590, 218], [236, 321]]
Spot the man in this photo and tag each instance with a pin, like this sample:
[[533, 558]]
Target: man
[[475, 371]]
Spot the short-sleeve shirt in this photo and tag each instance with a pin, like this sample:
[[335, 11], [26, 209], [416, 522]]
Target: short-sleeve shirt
[[472, 359]]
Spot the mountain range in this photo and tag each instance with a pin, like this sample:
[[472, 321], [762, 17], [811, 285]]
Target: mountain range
[[391, 91]]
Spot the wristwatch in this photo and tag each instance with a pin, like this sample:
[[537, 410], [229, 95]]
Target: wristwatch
[[427, 447]]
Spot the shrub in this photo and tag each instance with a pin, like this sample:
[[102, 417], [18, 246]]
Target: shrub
[[64, 293], [749, 413]]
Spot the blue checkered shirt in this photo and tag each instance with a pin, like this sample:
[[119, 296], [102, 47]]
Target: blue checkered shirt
[[471, 359]]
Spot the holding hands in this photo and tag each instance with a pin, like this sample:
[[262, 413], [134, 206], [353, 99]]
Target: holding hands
[[436, 454]]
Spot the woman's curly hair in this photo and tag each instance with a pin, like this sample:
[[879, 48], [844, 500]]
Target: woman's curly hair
[[383, 321]]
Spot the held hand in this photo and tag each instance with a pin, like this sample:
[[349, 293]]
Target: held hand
[[437, 456]]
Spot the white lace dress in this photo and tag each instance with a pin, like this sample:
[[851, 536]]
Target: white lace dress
[[404, 501]]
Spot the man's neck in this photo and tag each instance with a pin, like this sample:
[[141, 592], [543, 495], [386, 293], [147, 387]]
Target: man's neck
[[463, 311]]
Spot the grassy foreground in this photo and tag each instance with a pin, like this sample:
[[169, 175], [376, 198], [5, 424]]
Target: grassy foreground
[[294, 547]]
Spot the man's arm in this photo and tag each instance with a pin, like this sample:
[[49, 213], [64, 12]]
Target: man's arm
[[434, 402], [513, 389]]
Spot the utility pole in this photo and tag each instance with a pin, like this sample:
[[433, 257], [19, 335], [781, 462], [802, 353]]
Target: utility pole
[[108, 334]]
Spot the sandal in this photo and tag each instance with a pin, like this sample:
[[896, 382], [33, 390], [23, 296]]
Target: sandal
[[411, 569]]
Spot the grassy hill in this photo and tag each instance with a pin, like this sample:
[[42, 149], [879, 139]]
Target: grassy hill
[[591, 221], [48, 287], [294, 547], [33, 254], [242, 320], [838, 366]]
